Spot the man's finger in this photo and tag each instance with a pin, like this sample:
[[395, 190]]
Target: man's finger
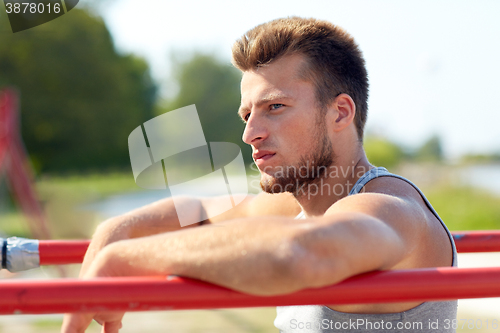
[[76, 322], [111, 326]]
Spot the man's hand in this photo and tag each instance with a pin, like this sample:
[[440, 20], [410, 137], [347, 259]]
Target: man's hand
[[149, 220], [78, 322], [111, 322]]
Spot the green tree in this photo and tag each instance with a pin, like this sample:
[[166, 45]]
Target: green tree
[[431, 150], [382, 152], [214, 86], [80, 99]]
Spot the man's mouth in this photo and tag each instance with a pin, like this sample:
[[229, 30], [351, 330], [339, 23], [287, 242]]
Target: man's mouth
[[262, 156]]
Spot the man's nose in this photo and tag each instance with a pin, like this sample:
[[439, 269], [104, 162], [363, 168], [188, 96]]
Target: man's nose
[[255, 130]]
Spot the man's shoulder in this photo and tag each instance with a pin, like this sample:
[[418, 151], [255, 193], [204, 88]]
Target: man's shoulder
[[401, 206], [283, 204], [262, 204]]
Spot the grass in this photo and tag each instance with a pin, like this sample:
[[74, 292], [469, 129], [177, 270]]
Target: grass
[[465, 208], [47, 323], [13, 223], [53, 325], [87, 186], [61, 196]]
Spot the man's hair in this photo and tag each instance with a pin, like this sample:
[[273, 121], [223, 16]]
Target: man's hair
[[334, 63]]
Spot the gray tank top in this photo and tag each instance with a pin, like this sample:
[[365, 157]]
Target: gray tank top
[[426, 317]]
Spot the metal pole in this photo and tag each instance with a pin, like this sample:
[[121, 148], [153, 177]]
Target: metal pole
[[56, 252], [175, 293], [477, 241], [60, 252]]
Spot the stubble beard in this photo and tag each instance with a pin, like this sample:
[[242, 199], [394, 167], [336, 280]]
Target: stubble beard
[[311, 168]]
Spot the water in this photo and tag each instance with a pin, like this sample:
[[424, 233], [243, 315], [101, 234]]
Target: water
[[483, 176], [123, 203]]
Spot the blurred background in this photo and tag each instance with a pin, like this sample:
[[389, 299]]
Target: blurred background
[[88, 78]]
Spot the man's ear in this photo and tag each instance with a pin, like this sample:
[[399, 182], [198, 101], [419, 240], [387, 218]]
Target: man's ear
[[344, 111]]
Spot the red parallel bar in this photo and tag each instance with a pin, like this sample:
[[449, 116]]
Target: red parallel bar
[[477, 241], [58, 252], [174, 293]]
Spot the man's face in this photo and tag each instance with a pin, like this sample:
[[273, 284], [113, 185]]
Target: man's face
[[284, 126]]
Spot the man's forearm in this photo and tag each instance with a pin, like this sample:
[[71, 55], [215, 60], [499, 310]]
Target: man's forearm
[[152, 219], [266, 255], [256, 256]]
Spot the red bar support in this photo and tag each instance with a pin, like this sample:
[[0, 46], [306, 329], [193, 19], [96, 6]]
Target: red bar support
[[57, 252], [174, 293]]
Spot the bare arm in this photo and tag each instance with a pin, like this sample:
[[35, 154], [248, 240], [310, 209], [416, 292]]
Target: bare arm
[[275, 255], [148, 220], [161, 217], [270, 255]]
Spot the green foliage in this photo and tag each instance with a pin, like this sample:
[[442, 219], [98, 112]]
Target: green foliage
[[14, 224], [63, 197], [214, 86], [431, 150], [465, 208], [480, 158], [382, 152], [80, 99], [85, 187]]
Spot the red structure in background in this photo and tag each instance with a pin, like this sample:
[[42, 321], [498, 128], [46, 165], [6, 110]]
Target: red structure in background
[[15, 164]]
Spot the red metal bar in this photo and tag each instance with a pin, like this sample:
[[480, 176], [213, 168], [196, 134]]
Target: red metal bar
[[57, 252], [60, 252], [477, 241], [174, 293]]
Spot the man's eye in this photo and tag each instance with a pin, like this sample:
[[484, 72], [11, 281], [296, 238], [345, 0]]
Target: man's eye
[[245, 118], [275, 106]]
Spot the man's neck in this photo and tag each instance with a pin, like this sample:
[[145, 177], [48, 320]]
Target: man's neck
[[336, 183]]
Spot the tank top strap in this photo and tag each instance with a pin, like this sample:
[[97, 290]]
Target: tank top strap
[[382, 172], [369, 175]]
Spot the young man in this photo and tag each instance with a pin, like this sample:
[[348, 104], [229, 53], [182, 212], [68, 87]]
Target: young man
[[304, 100]]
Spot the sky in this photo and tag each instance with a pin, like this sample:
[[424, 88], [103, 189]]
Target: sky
[[433, 65]]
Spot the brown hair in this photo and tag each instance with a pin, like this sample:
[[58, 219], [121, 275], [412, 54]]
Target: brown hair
[[335, 63]]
